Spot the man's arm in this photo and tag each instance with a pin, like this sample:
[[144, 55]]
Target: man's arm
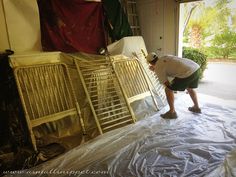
[[161, 75]]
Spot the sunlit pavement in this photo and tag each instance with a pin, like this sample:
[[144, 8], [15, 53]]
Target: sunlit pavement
[[219, 80]]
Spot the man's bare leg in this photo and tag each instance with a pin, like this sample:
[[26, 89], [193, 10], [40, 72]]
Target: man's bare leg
[[171, 114], [193, 96], [170, 99]]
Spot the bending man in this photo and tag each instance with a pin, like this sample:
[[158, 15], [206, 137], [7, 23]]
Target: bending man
[[184, 74]]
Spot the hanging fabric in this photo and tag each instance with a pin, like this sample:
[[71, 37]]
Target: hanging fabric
[[71, 26], [117, 20]]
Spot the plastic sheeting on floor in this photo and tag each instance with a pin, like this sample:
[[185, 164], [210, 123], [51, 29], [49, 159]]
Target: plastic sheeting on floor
[[192, 145]]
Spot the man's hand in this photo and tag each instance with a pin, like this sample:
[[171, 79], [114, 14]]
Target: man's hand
[[167, 83], [152, 68]]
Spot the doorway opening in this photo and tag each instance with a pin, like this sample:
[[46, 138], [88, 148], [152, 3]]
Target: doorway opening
[[209, 26]]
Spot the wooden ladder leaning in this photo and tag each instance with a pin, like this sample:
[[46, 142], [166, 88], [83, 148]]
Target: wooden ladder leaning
[[131, 11]]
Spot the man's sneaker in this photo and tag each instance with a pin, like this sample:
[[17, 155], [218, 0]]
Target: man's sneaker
[[169, 115], [195, 110]]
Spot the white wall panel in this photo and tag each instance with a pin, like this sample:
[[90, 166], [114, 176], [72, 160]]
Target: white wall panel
[[23, 25], [4, 43], [158, 23], [150, 14], [170, 27]]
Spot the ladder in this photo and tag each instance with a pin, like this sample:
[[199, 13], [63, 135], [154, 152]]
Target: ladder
[[131, 11]]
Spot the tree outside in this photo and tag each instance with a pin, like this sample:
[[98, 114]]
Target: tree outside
[[210, 27]]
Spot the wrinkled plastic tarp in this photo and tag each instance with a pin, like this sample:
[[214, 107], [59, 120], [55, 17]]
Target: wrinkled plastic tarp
[[192, 145]]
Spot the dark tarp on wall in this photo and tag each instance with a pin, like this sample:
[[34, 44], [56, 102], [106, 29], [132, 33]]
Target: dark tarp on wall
[[117, 20], [71, 26], [77, 25]]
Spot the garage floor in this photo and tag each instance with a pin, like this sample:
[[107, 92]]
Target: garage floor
[[192, 145]]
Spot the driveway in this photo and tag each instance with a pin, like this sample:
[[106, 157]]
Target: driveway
[[219, 80]]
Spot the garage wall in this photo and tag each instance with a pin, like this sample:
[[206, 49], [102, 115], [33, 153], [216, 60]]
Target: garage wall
[[150, 14], [4, 43], [25, 36], [159, 25], [170, 27], [23, 26]]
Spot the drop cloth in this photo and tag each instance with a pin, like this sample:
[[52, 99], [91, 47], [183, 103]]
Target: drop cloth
[[192, 145]]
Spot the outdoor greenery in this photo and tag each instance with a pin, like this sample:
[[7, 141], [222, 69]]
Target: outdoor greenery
[[210, 27], [197, 57], [224, 44]]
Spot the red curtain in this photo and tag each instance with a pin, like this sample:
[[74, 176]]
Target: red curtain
[[72, 25]]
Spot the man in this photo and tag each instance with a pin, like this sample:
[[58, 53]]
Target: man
[[183, 73]]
